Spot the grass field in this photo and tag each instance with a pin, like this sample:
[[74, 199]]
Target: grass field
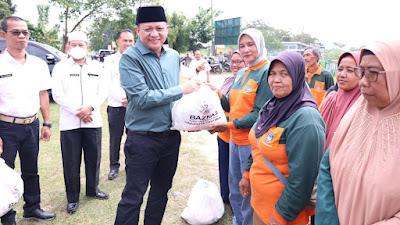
[[193, 164]]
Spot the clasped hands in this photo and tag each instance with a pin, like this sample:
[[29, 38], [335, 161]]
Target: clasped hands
[[84, 113]]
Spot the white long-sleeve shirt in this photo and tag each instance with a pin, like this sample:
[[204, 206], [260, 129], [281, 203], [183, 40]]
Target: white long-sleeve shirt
[[75, 86], [115, 93]]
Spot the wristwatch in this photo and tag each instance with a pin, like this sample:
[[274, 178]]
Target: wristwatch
[[47, 125]]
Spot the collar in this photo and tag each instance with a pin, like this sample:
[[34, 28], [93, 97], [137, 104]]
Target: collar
[[318, 72], [144, 50], [71, 62], [259, 65], [11, 59]]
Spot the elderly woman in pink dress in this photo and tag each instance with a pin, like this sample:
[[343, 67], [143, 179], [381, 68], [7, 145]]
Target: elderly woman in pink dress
[[358, 179]]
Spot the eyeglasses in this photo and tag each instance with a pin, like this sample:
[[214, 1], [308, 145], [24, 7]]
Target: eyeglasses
[[17, 32], [371, 75], [150, 30], [237, 62]]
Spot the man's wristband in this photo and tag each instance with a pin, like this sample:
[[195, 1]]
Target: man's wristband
[[47, 125], [197, 70]]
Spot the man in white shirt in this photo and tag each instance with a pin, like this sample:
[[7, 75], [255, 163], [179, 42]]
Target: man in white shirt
[[221, 58], [199, 68], [116, 99], [24, 80], [80, 87]]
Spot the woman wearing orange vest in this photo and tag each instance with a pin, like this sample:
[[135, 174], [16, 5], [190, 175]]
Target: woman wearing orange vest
[[223, 138], [288, 142], [248, 94]]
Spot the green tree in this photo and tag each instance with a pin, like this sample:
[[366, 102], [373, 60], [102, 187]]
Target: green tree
[[178, 34], [104, 29], [40, 33], [78, 11], [6, 8], [272, 37], [306, 39], [200, 29]]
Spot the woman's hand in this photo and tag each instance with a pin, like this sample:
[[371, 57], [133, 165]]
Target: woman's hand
[[213, 88], [244, 185], [220, 127], [272, 221]]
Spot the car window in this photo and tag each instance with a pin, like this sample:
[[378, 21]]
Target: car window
[[36, 51]]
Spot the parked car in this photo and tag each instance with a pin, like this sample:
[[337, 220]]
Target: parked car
[[101, 54], [47, 53]]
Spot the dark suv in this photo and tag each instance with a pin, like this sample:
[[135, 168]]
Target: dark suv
[[47, 53]]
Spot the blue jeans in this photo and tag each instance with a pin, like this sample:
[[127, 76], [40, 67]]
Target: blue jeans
[[242, 210]]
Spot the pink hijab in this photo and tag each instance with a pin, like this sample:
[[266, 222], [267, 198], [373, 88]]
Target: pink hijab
[[365, 152], [336, 104]]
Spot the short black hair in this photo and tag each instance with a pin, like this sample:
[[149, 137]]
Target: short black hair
[[4, 25], [123, 31]]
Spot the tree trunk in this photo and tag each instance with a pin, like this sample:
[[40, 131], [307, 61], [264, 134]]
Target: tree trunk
[[65, 36]]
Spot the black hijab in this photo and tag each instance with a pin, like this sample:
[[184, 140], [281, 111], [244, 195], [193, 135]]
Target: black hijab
[[278, 110]]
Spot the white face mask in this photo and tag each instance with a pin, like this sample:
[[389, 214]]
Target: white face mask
[[77, 52]]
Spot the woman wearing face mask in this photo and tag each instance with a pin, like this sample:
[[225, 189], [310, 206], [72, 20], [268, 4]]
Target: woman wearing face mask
[[290, 133], [248, 94], [337, 103], [237, 63], [357, 181]]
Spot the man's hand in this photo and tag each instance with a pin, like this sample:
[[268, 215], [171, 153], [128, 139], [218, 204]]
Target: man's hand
[[201, 67], [190, 86], [85, 113], [220, 127], [124, 102], [244, 185], [45, 133]]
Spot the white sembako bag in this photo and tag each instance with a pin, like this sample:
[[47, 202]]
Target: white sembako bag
[[205, 205], [11, 188], [197, 110]]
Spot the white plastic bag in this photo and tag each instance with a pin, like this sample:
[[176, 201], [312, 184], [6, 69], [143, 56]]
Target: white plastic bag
[[11, 188], [205, 205], [197, 110]]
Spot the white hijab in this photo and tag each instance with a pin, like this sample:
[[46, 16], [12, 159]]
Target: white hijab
[[258, 39]]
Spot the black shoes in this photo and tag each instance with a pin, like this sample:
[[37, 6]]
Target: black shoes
[[113, 174], [72, 207], [11, 222], [100, 195], [38, 215]]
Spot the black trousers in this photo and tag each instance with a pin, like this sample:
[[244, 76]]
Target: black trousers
[[23, 139], [116, 124], [72, 143], [149, 157], [223, 165]]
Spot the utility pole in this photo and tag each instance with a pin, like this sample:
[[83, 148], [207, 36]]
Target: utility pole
[[212, 24]]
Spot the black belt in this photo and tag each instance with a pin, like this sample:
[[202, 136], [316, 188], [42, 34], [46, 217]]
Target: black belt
[[158, 134]]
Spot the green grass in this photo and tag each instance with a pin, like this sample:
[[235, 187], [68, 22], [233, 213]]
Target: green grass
[[192, 165]]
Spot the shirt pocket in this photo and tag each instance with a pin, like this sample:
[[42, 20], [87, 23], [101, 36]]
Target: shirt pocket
[[8, 83], [249, 93], [270, 140]]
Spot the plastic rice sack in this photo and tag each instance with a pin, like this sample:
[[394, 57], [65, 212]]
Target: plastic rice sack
[[197, 111], [205, 205]]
